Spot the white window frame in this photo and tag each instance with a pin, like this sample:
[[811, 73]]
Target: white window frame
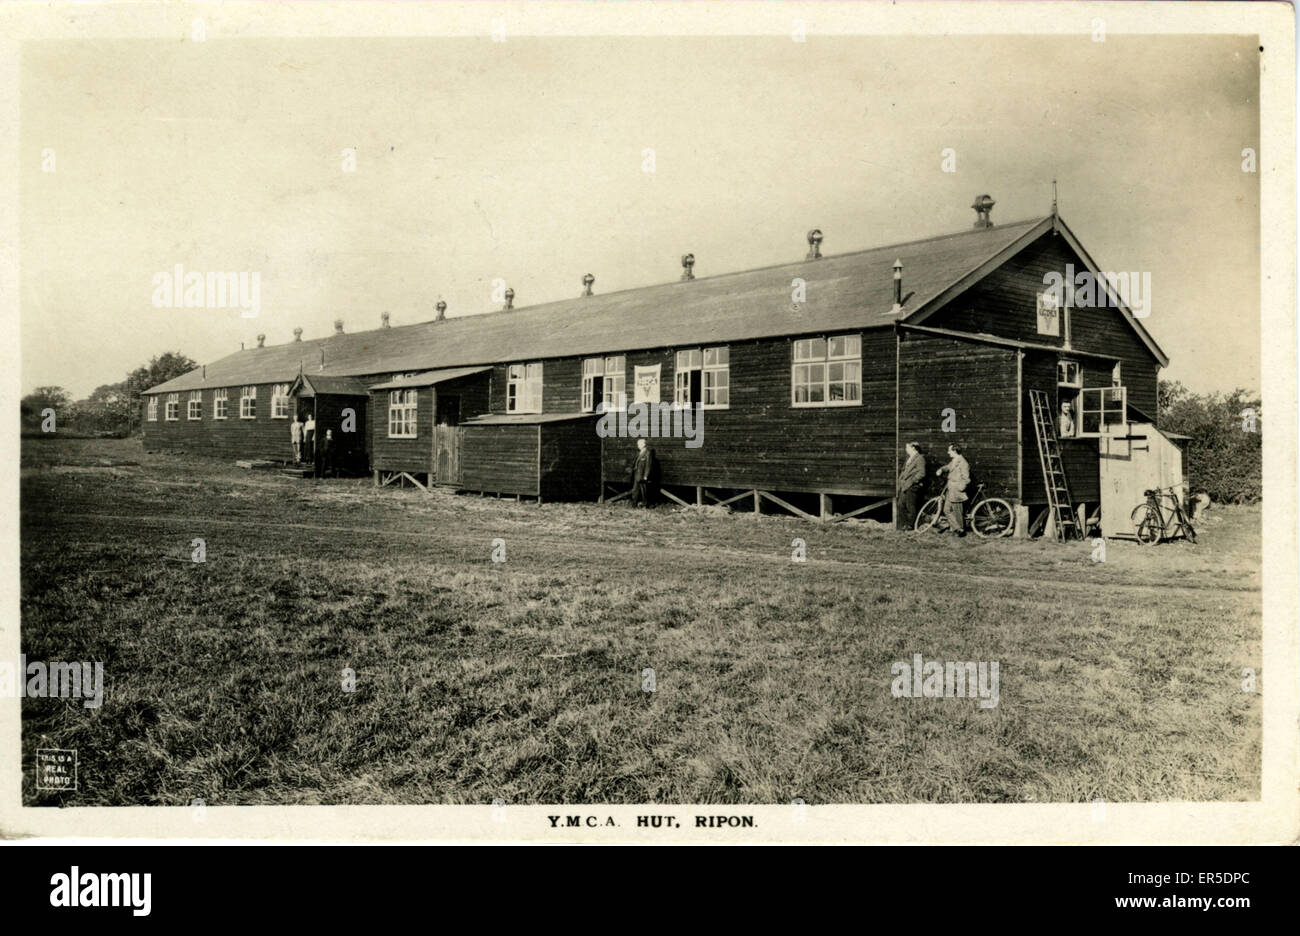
[[524, 385], [173, 411], [612, 371], [812, 362], [248, 402], [403, 408], [714, 364], [1069, 389], [152, 409], [194, 406], [280, 401], [220, 403], [1111, 402]]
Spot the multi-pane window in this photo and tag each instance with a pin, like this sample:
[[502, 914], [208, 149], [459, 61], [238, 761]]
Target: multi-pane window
[[401, 414], [219, 402], [703, 376], [173, 407], [153, 409], [524, 388], [195, 409], [248, 402], [280, 401], [604, 383], [827, 371], [1101, 407]]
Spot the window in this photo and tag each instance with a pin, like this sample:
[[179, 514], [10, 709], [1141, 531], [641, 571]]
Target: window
[[219, 399], [401, 414], [247, 402], [524, 388], [1101, 407], [280, 401], [703, 376], [153, 409], [827, 371], [604, 383], [1069, 380], [173, 407], [195, 410]]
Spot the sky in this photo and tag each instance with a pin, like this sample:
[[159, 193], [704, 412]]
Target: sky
[[525, 161]]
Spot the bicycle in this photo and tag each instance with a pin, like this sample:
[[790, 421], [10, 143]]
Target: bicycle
[[990, 518], [1152, 521]]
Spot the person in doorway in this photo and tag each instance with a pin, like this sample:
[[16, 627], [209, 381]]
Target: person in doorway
[[958, 472], [1065, 423], [295, 438], [910, 482], [309, 437], [642, 474]]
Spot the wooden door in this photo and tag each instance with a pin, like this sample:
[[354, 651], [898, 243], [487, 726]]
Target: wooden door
[[446, 453]]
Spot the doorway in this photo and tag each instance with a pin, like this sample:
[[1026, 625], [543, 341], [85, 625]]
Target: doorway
[[446, 436]]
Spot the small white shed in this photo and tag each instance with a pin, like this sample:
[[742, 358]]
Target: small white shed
[[1134, 458]]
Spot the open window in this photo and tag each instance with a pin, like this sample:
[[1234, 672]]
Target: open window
[[1100, 408]]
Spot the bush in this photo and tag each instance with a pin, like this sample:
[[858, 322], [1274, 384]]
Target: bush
[[1224, 456]]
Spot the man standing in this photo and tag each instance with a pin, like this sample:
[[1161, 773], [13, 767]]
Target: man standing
[[309, 437], [1065, 424], [909, 488], [958, 471], [642, 469], [326, 460], [295, 438]]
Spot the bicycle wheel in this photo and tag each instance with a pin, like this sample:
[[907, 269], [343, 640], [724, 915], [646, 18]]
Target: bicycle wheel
[[1189, 533], [929, 513], [992, 518], [1148, 524]]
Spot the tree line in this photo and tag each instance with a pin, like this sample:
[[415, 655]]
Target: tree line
[[111, 409], [1225, 455]]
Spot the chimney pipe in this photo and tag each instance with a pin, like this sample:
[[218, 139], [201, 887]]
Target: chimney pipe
[[898, 287], [586, 284], [261, 341], [338, 326], [688, 264], [510, 300], [383, 318], [297, 334], [983, 205], [442, 310], [814, 245]]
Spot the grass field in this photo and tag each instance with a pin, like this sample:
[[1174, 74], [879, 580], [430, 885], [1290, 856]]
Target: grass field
[[524, 681]]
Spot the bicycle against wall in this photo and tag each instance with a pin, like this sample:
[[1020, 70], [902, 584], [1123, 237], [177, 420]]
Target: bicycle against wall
[[1161, 518], [990, 517]]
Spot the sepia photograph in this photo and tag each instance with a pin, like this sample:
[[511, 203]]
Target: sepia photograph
[[567, 421]]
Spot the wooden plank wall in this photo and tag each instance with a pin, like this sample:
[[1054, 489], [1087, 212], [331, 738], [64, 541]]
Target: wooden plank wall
[[232, 437], [1078, 456], [500, 459], [978, 383], [570, 465], [764, 442], [413, 455], [1005, 304]]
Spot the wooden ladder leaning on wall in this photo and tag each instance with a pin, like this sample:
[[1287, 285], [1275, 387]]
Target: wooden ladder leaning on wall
[[1057, 485]]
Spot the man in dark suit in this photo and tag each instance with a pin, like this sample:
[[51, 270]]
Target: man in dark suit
[[909, 488], [642, 474]]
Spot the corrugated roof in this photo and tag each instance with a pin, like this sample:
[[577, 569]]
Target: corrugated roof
[[524, 419], [429, 378], [851, 290]]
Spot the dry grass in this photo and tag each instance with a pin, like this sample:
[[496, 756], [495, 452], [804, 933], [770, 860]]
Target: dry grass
[[523, 680]]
